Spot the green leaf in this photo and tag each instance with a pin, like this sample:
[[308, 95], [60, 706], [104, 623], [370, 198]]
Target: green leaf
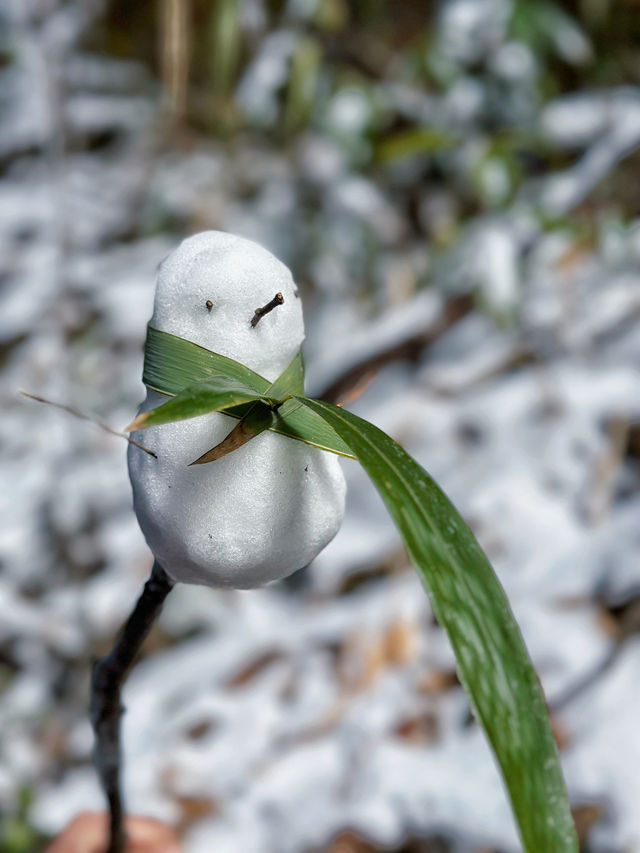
[[297, 421], [291, 419], [492, 661], [259, 417], [290, 381], [214, 394], [172, 364]]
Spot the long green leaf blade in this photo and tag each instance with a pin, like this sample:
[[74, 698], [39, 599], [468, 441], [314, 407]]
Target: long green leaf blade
[[290, 381], [172, 364], [493, 663], [291, 419], [297, 421], [257, 420], [210, 395]]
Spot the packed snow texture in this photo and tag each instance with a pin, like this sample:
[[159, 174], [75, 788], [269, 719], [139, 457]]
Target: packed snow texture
[[269, 507], [235, 276]]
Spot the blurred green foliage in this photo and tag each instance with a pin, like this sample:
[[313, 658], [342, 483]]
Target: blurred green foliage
[[447, 131], [16, 833], [315, 59]]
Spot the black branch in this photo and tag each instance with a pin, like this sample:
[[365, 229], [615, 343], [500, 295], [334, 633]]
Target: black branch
[[106, 709]]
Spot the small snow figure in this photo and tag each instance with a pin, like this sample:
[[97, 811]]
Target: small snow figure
[[254, 515], [270, 507]]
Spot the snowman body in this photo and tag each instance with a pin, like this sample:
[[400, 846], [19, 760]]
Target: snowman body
[[268, 508]]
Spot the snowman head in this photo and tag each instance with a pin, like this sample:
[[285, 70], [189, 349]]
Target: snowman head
[[208, 291]]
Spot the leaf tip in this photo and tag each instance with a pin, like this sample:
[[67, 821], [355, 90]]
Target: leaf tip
[[211, 455], [138, 422]]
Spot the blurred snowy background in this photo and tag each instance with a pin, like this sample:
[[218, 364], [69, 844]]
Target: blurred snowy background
[[456, 186]]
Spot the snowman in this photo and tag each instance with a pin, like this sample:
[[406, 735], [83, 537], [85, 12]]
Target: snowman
[[269, 507]]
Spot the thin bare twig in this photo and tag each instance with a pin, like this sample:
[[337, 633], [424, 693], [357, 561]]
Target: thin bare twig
[[627, 620], [77, 414], [109, 674], [259, 313]]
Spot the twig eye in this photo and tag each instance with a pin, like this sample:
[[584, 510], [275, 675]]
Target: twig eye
[[209, 304]]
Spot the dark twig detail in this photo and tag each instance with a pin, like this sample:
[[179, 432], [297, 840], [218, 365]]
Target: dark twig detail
[[278, 299], [109, 673], [557, 703], [627, 624]]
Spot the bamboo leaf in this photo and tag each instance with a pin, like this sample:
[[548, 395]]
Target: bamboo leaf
[[257, 420], [172, 364], [210, 395], [297, 421], [291, 419], [290, 381], [259, 417], [493, 663]]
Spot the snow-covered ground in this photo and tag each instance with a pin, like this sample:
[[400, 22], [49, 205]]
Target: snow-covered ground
[[271, 721]]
